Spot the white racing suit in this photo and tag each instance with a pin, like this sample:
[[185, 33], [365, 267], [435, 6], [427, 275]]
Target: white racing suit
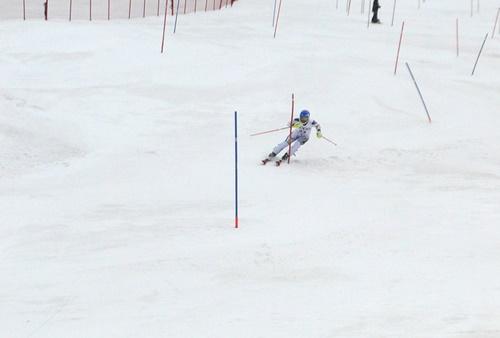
[[299, 136]]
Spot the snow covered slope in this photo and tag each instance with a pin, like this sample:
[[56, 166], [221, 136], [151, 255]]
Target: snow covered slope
[[116, 181]]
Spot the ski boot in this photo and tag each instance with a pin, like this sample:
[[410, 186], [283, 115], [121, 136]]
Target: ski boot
[[284, 158], [269, 158]]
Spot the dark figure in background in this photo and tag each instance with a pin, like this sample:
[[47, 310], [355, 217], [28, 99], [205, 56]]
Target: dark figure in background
[[375, 8], [45, 9]]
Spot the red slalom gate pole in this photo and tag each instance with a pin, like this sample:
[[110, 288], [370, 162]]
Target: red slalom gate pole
[[206, 5], [70, 8], [90, 10], [290, 132], [185, 6], [24, 9], [109, 9], [236, 221], [479, 54], [144, 9], [172, 7], [268, 131], [277, 19], [495, 25], [399, 48], [164, 26], [158, 9], [213, 6], [195, 3], [129, 8]]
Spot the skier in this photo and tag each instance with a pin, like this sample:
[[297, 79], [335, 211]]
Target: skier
[[300, 136], [375, 8], [45, 9]]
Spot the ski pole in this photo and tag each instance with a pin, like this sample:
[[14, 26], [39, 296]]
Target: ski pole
[[328, 140], [268, 131]]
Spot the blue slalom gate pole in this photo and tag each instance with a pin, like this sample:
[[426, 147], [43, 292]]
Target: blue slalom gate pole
[[274, 12], [479, 54], [236, 169], [419, 92], [176, 15]]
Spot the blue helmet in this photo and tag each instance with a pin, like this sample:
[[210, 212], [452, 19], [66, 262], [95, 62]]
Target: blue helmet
[[304, 115]]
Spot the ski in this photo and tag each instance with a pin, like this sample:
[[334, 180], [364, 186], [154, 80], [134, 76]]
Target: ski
[[267, 160]]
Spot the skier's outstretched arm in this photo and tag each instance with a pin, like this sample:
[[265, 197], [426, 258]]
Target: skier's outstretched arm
[[318, 129]]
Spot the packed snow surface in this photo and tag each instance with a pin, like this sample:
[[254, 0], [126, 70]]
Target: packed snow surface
[[117, 181]]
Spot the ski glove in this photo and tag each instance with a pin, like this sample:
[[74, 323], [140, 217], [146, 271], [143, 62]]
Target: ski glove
[[296, 125], [318, 134]]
